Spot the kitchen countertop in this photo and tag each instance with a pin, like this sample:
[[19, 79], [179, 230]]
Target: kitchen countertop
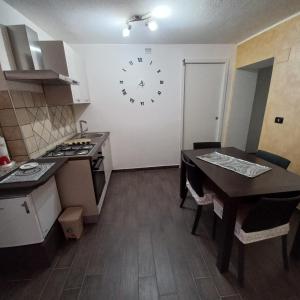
[[18, 189]]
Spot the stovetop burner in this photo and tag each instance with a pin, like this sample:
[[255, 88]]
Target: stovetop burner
[[82, 152], [57, 153], [65, 148], [70, 150]]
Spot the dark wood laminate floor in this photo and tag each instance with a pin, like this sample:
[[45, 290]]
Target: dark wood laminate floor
[[142, 248]]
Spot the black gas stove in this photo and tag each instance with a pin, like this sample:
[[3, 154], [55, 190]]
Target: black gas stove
[[70, 150]]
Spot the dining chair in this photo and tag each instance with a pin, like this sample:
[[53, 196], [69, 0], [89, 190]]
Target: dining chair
[[203, 145], [266, 219], [197, 189], [273, 158]]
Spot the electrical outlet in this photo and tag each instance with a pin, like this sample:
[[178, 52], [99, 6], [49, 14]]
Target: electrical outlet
[[279, 120]]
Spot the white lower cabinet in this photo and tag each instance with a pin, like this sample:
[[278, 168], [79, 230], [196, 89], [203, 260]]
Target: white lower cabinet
[[106, 152], [107, 163], [19, 224], [27, 220]]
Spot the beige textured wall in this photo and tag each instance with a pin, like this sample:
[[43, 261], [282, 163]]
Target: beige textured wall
[[31, 127], [283, 43]]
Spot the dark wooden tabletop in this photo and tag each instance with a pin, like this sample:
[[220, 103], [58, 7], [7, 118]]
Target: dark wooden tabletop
[[275, 181]]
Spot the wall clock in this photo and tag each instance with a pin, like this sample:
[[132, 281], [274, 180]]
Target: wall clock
[[141, 81]]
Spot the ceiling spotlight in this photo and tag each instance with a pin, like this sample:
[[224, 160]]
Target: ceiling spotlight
[[152, 25], [126, 31], [161, 12]]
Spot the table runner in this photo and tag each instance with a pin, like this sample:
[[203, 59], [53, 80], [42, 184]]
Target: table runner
[[234, 164]]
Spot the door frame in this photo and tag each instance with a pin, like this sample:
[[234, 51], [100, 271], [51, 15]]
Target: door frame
[[224, 61]]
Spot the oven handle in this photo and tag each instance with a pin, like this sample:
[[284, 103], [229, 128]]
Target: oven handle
[[97, 163]]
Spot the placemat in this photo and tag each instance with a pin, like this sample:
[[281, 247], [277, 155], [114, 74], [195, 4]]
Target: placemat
[[28, 175]]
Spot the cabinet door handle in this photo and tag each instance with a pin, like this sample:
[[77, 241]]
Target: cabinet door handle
[[25, 205]]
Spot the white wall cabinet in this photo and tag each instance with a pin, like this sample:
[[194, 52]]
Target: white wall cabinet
[[27, 220], [61, 58]]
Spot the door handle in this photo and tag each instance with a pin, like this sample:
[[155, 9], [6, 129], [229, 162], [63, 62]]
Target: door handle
[[25, 205]]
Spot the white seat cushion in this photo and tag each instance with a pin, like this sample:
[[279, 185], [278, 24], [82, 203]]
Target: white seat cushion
[[250, 237], [207, 197]]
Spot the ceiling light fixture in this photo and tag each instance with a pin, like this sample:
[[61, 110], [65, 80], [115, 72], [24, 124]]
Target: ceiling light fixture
[[158, 12], [152, 25], [161, 12], [126, 30]]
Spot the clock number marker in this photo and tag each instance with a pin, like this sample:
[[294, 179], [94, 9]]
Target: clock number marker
[[159, 92], [121, 81], [140, 59], [124, 92], [124, 70], [150, 63], [152, 100], [158, 71], [131, 100], [161, 82], [142, 103], [142, 83], [131, 62]]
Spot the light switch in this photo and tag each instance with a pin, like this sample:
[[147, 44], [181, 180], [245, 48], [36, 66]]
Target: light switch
[[279, 120]]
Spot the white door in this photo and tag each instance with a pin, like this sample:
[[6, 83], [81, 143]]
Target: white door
[[204, 95]]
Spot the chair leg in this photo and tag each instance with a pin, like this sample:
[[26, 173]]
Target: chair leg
[[214, 226], [197, 217], [183, 198], [285, 252], [241, 263]]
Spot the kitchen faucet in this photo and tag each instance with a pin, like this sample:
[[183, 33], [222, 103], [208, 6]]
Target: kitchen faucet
[[82, 131]]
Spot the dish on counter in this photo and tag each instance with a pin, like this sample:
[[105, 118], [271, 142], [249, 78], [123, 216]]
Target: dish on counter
[[29, 166]]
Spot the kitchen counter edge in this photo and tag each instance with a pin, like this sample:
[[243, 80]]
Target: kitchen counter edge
[[19, 189]]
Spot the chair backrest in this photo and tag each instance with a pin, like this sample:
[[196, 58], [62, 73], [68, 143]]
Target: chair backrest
[[194, 176], [203, 145], [273, 158], [270, 212]]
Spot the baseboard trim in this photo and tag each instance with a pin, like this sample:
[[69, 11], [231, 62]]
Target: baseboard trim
[[146, 168]]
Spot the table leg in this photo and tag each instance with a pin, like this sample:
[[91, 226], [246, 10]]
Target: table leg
[[295, 252], [183, 188], [227, 234]]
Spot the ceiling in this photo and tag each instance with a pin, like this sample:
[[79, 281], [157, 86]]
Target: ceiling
[[191, 21]]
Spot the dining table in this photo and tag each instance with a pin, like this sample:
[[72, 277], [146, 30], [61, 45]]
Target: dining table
[[234, 189]]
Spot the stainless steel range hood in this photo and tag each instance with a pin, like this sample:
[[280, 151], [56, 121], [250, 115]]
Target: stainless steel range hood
[[25, 48], [28, 57]]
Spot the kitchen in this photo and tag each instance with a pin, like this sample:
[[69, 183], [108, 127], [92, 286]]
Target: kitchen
[[75, 168], [94, 114]]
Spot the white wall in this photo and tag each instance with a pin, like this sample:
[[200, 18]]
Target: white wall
[[141, 136], [259, 106], [240, 108]]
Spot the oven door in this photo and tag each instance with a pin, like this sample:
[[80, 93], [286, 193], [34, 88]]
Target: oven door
[[98, 177]]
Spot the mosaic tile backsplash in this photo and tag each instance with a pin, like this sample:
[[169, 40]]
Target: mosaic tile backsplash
[[30, 127]]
